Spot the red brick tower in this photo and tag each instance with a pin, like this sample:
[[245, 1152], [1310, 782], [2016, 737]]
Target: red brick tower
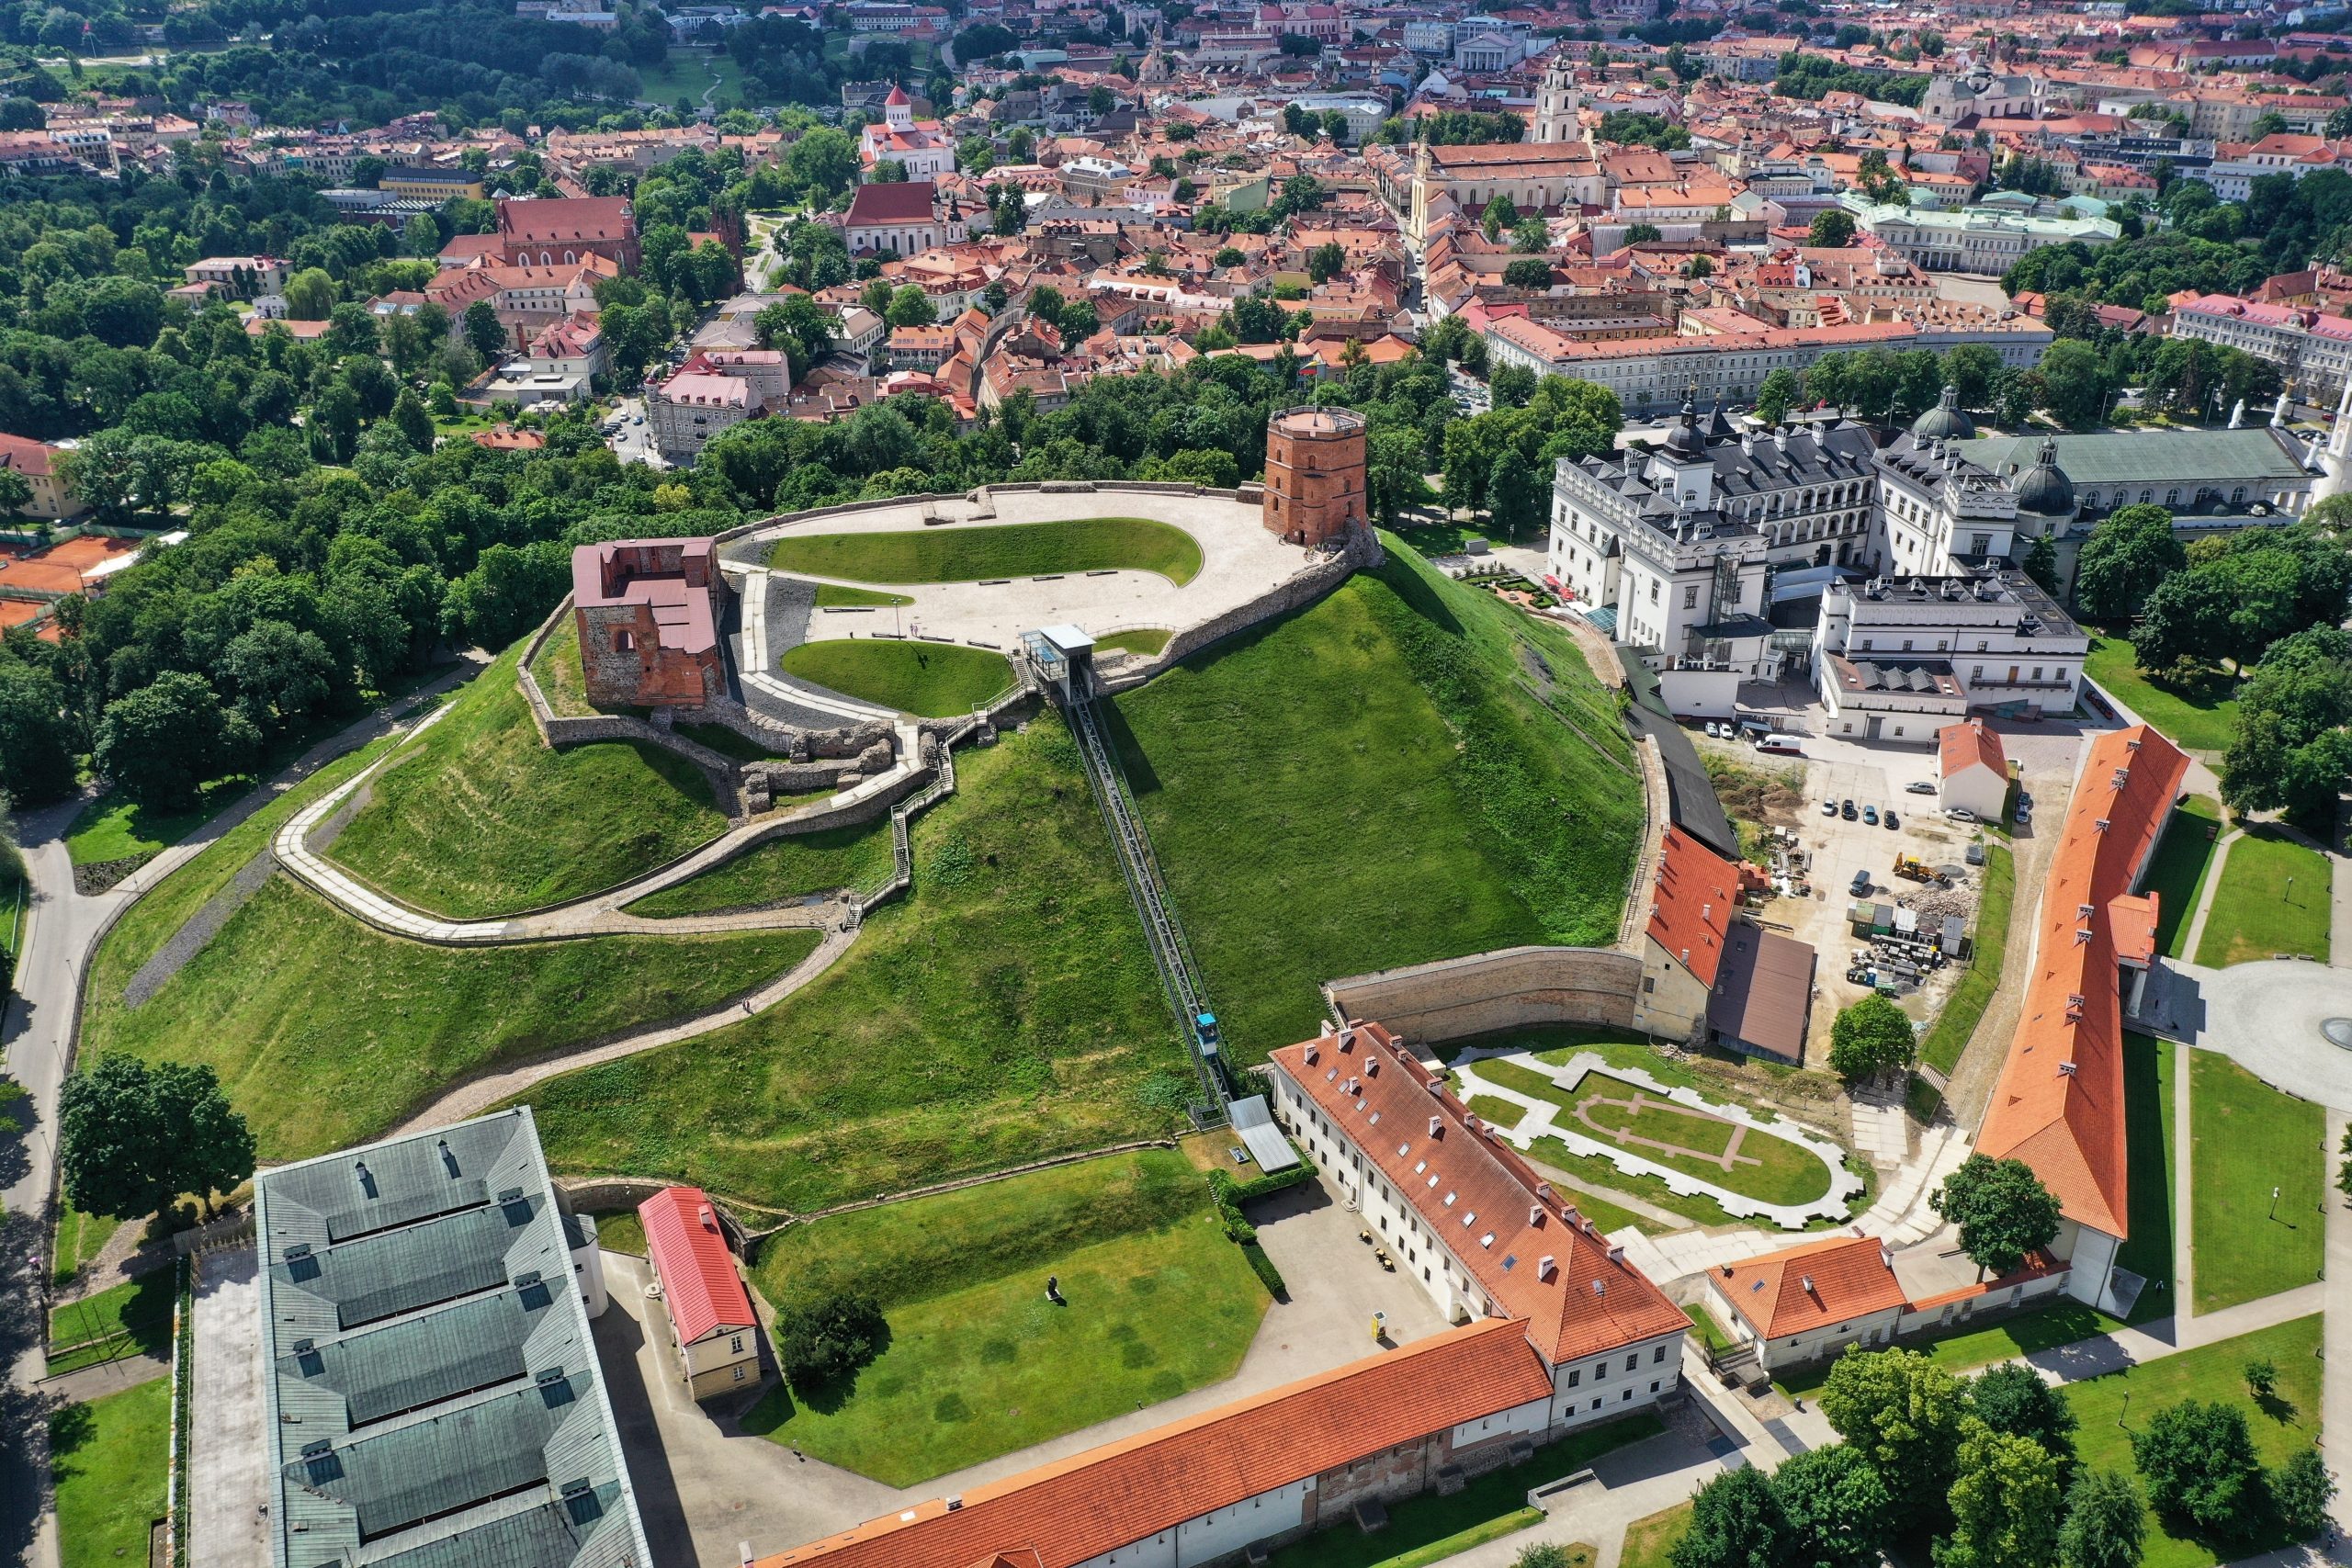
[[1315, 488]]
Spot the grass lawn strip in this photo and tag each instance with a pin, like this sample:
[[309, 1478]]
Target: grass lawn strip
[[2273, 899], [840, 596], [2246, 1138], [1650, 1542], [1147, 641], [619, 1230], [1496, 1112], [915, 1248], [557, 670], [1783, 1172], [2213, 1372], [112, 1460], [1595, 1170], [2149, 1141], [930, 680], [2177, 874], [2198, 718], [1943, 1045], [1428, 1527], [970, 553], [1005, 1010], [1710, 1332], [80, 1237], [114, 828], [130, 1319], [327, 1033], [995, 1367], [780, 871], [478, 819], [1376, 751]]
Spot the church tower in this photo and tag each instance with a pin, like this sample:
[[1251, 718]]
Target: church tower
[[1555, 103]]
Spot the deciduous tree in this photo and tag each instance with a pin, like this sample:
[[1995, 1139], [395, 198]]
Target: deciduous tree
[[2002, 1209], [1869, 1038]]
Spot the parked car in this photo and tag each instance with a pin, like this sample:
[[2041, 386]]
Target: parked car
[[1870, 815], [1715, 731], [1828, 808], [1975, 855], [1846, 809], [1862, 883], [1919, 786], [1960, 814]]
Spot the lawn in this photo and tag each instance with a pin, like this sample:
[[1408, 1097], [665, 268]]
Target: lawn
[[113, 826], [1710, 1333], [1783, 1172], [80, 1237], [930, 680], [1501, 1114], [557, 670], [619, 1230], [2246, 1138], [1594, 1170], [1368, 783], [840, 596], [2176, 871], [326, 1032], [726, 740], [112, 1460], [976, 551], [1145, 639], [782, 870], [688, 73], [2282, 1426], [2148, 1131], [1943, 1045], [1650, 1542], [1964, 1348], [993, 1367], [478, 819], [1005, 1010], [1430, 1528], [921, 1247], [2202, 717], [130, 1319], [2272, 900]]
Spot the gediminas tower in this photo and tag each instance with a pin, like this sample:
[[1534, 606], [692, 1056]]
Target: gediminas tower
[[1315, 474]]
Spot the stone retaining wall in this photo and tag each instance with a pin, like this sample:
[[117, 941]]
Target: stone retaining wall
[[599, 1193], [1362, 552], [1512, 988]]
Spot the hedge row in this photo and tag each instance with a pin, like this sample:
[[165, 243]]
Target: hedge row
[[1264, 1267], [1227, 1195]]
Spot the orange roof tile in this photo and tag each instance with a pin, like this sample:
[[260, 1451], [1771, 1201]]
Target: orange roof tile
[[1096, 1502], [1690, 903], [1496, 1213], [2059, 1103], [1961, 744], [1815, 1283]]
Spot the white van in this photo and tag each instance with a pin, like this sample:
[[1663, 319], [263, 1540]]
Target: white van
[[1781, 745]]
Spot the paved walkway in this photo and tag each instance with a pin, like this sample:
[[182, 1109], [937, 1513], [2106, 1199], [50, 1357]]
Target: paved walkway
[[228, 1451], [107, 1377], [2335, 1340]]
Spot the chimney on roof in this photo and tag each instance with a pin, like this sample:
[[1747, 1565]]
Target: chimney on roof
[[1806, 1281], [1545, 1266], [1535, 1214], [955, 1501], [1616, 1255], [709, 1221], [1311, 1052], [2100, 824], [2082, 935], [2065, 1070], [1437, 1126]]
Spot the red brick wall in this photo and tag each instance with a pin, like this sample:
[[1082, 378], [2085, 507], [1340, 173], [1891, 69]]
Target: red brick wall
[[1315, 484]]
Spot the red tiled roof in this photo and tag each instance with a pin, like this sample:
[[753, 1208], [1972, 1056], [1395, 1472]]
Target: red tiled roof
[[1495, 1214], [2059, 1103], [554, 219], [1817, 1282], [698, 1279], [1096, 1502], [27, 455], [906, 201], [1690, 904], [1961, 744]]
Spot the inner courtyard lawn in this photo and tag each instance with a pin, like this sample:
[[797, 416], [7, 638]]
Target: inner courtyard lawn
[[1005, 1010], [1496, 1113], [2273, 898], [1785, 1173], [1143, 639], [2177, 874], [2149, 1141], [967, 553], [920, 1248], [476, 818], [2213, 1372], [930, 680], [780, 871], [1650, 1542], [1373, 781], [112, 1461], [1954, 1027], [2245, 1139], [326, 1032], [993, 1367], [2202, 717]]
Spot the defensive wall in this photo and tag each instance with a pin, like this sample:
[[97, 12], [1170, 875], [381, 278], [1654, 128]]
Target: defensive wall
[[1512, 988]]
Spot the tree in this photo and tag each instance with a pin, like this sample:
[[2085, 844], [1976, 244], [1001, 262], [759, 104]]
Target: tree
[[1543, 1554], [35, 734], [1833, 228], [2074, 382], [2004, 1503], [1699, 267], [2041, 562], [1774, 397], [799, 326], [2013, 1398], [1501, 213], [1326, 262], [824, 1341], [1528, 272], [2106, 1522], [2127, 555], [1515, 493], [1533, 235], [910, 307], [160, 743], [1643, 235], [2198, 1461], [16, 492], [2300, 1490], [1737, 1521], [309, 295], [279, 673], [1838, 1511], [131, 1138], [2292, 750], [411, 419], [1869, 1038], [1902, 1412], [2002, 1211], [485, 334]]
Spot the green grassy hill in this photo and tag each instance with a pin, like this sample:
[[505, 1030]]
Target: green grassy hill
[[1006, 1010], [1004, 549], [479, 819], [1372, 781]]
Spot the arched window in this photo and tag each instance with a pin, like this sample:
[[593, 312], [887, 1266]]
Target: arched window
[[624, 642], [569, 258]]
